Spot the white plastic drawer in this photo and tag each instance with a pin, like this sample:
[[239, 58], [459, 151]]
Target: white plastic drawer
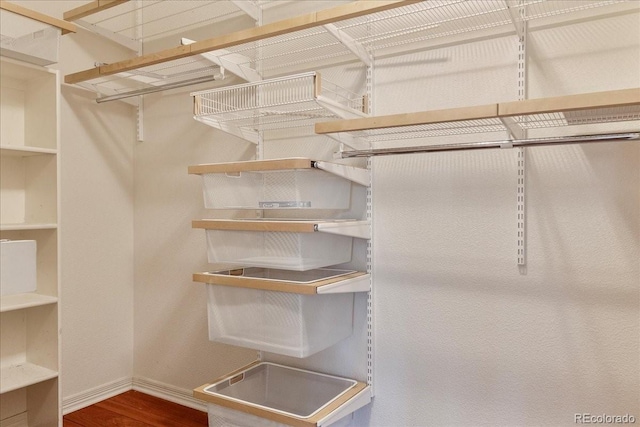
[[278, 322], [285, 250], [286, 189]]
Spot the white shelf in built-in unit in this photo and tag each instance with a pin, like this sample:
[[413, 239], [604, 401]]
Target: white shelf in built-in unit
[[22, 375], [25, 226], [26, 300], [25, 151]]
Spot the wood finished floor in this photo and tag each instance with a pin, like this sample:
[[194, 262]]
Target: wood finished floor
[[135, 409]]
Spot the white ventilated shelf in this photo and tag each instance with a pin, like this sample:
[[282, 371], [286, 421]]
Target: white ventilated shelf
[[283, 103], [612, 111], [293, 183], [133, 22], [344, 33], [15, 377], [22, 301], [30, 36], [311, 282], [272, 395]]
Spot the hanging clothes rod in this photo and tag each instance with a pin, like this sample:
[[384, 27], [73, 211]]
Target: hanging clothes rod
[[615, 137], [161, 88]]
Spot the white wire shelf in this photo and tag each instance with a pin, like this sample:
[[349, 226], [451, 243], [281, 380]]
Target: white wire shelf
[[276, 104], [30, 36], [147, 20], [618, 110], [350, 33]]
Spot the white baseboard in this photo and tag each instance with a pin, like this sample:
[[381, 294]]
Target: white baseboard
[[19, 420], [168, 392], [95, 395]]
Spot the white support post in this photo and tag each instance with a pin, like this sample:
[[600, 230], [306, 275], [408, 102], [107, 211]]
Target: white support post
[[358, 50], [232, 62]]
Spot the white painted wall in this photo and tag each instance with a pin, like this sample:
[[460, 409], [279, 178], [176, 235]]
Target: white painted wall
[[462, 336]]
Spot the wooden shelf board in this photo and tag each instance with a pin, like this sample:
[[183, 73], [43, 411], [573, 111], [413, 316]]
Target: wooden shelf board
[[586, 102], [252, 166], [256, 225], [310, 288], [23, 375]]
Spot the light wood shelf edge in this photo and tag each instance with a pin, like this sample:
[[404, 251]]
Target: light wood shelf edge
[[310, 20], [200, 394], [272, 285], [408, 119], [585, 101], [65, 26], [252, 166], [259, 225]]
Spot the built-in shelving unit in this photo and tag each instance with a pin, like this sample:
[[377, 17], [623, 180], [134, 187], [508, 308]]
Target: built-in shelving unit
[[29, 194], [583, 114]]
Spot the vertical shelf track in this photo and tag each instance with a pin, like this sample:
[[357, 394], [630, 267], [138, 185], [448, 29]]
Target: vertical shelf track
[[369, 210], [519, 20], [522, 28]]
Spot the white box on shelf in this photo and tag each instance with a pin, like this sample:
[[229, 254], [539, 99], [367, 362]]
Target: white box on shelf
[[17, 266], [285, 250], [304, 188], [291, 393], [278, 322]]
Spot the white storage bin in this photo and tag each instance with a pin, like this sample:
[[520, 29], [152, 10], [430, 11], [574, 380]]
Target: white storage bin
[[304, 188], [281, 249], [292, 392], [17, 266], [284, 323]]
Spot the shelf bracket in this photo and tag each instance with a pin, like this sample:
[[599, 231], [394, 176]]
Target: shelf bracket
[[338, 109], [352, 173], [351, 44], [251, 8], [358, 229], [513, 128], [516, 18], [232, 62], [348, 140], [356, 402], [247, 135]]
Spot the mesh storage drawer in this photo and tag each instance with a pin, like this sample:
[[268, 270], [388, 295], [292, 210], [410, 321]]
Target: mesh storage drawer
[[285, 250], [276, 190], [293, 393], [279, 322]]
